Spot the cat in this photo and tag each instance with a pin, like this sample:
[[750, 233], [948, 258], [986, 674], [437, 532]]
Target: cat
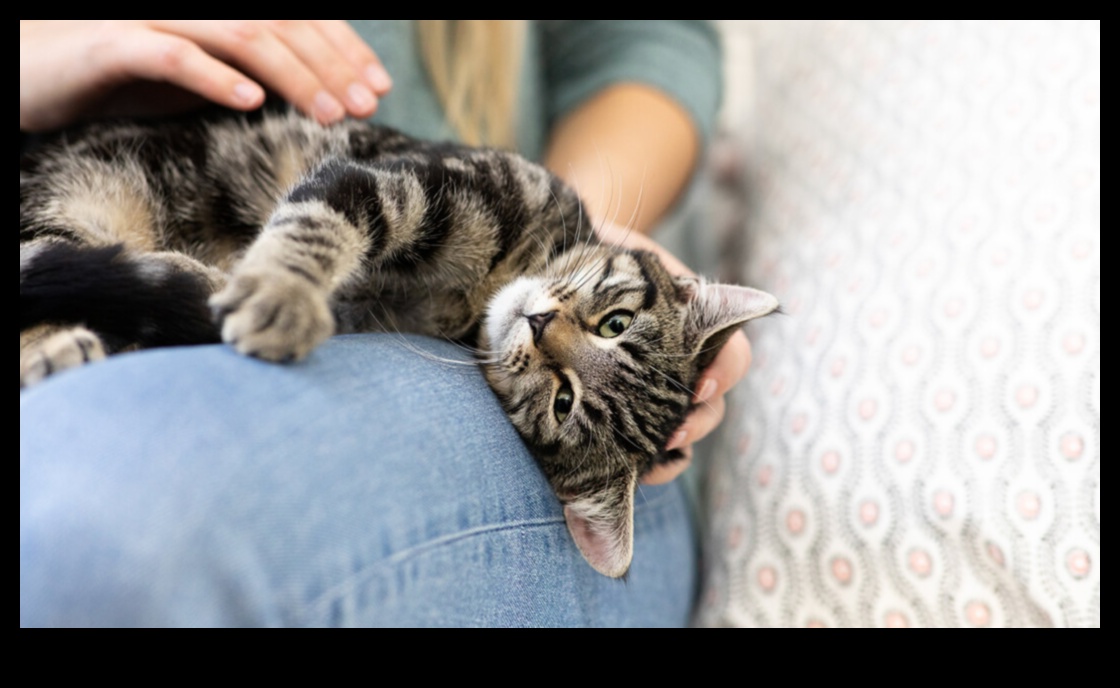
[[272, 233]]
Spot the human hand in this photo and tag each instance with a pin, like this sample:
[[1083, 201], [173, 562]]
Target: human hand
[[73, 69], [730, 366]]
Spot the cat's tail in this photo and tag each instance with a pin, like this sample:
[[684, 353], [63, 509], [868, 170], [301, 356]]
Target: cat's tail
[[126, 300]]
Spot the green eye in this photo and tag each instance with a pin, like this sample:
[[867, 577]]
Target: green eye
[[615, 324], [565, 399]]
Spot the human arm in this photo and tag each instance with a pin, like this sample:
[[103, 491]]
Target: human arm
[[79, 68], [630, 149]]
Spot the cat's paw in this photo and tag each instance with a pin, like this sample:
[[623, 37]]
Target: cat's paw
[[56, 352], [274, 316]]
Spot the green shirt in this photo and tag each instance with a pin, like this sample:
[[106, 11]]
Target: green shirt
[[566, 62]]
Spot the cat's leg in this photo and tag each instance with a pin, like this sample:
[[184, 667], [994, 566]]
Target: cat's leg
[[277, 303], [154, 300], [89, 202], [49, 349], [335, 227], [454, 223], [80, 303], [93, 265]]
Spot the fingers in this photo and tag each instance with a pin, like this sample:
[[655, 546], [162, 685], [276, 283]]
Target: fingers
[[615, 235], [333, 75], [178, 61], [668, 472], [350, 44], [323, 68], [703, 419], [69, 69], [729, 368], [74, 69]]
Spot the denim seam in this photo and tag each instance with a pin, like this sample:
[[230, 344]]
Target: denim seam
[[348, 586], [325, 599]]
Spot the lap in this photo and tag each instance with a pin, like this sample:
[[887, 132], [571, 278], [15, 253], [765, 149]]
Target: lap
[[371, 485]]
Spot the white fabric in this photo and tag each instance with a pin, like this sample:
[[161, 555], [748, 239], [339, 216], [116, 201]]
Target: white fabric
[[919, 441]]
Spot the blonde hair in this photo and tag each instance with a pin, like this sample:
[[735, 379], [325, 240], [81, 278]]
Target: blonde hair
[[475, 67]]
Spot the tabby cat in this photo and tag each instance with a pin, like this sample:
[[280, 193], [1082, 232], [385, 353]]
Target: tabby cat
[[272, 233]]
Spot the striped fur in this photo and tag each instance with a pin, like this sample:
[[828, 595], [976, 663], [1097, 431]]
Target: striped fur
[[131, 234]]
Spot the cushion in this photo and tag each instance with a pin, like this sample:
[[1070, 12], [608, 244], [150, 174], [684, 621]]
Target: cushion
[[918, 443]]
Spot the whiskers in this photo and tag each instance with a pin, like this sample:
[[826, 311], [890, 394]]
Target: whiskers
[[585, 270], [480, 357], [678, 385]]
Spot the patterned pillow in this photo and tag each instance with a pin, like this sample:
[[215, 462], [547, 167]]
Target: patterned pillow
[[919, 441]]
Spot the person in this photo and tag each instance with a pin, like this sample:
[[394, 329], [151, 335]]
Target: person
[[367, 486]]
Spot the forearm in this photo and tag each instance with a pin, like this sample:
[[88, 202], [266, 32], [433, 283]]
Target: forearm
[[629, 151]]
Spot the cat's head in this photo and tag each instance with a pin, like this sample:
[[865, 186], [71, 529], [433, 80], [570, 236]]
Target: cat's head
[[595, 362]]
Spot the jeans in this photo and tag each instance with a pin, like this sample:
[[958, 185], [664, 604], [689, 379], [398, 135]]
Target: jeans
[[372, 485]]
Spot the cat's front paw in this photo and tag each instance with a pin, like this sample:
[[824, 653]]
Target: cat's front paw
[[272, 316], [48, 353]]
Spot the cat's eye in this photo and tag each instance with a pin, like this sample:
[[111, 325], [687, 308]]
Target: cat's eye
[[615, 324], [562, 407]]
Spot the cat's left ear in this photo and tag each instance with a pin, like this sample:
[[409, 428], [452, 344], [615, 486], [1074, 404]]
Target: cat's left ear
[[716, 312], [602, 524]]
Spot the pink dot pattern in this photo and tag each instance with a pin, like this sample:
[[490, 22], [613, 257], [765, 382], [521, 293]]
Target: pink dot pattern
[[868, 408], [896, 621], [1027, 397], [986, 447], [830, 462], [842, 570], [795, 522], [768, 579], [1079, 564], [944, 503], [924, 197], [921, 564], [869, 513], [996, 555], [1029, 506], [979, 615], [1073, 447]]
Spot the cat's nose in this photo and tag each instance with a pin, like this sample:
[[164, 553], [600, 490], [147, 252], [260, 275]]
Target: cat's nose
[[538, 322]]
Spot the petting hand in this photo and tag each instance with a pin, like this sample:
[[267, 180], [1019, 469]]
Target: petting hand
[[726, 371], [73, 69]]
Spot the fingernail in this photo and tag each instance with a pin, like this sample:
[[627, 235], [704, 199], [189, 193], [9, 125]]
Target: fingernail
[[361, 98], [327, 109], [677, 440], [379, 78], [248, 94], [707, 391]]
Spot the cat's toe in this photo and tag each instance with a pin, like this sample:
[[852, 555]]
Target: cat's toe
[[60, 351], [232, 296], [274, 317]]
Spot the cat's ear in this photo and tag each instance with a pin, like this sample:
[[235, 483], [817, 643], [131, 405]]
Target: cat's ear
[[716, 312], [602, 524]]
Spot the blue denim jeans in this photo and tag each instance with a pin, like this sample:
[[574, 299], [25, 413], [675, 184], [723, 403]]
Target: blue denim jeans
[[368, 486]]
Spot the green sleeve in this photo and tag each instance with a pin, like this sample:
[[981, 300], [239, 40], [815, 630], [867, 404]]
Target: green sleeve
[[680, 57]]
